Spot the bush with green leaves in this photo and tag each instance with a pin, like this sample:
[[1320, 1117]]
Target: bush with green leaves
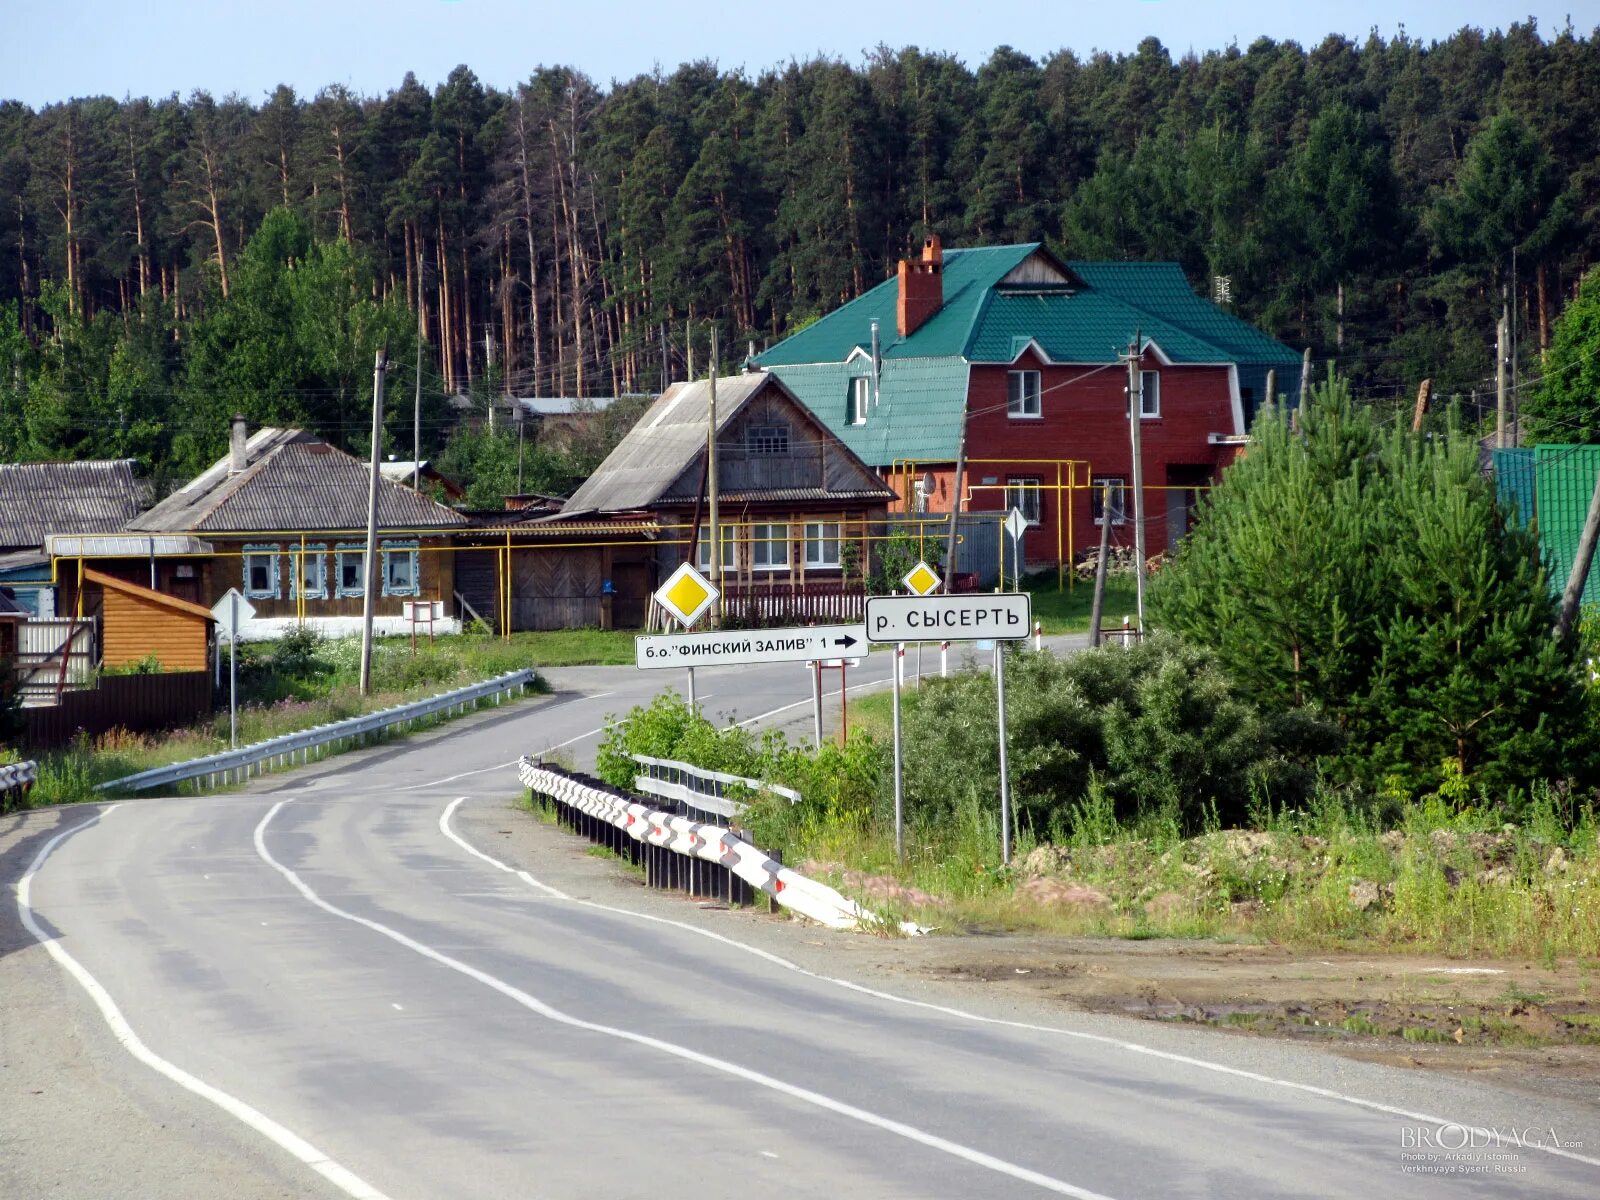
[[1371, 576], [1158, 730]]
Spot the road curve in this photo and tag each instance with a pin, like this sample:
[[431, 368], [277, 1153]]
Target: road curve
[[371, 998]]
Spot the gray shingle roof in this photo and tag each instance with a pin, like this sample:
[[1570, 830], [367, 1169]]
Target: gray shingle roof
[[290, 483], [664, 442], [39, 499]]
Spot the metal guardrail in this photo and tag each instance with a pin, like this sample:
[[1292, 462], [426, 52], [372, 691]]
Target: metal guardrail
[[260, 757], [18, 777], [698, 792], [700, 858]]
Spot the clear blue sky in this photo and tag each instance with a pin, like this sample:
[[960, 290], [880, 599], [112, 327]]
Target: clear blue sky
[[155, 47]]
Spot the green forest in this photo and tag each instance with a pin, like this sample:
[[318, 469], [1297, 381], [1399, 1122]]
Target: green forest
[[169, 261]]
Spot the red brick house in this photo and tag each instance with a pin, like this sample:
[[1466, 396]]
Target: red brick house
[[1016, 356]]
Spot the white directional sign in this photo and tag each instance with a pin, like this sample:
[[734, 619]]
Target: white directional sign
[[224, 610], [733, 647], [686, 595], [1003, 616]]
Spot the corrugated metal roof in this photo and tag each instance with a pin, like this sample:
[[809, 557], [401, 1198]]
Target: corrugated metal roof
[[1160, 290], [920, 405], [665, 441], [291, 483], [1564, 483], [1515, 476], [38, 499], [125, 545]]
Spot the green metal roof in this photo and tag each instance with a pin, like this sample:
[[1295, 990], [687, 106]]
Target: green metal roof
[[920, 402], [1089, 320], [1160, 290], [1564, 483], [968, 276]]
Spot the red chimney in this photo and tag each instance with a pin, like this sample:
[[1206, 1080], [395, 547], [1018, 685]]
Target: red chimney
[[921, 287]]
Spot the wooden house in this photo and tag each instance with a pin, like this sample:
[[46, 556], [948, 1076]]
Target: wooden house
[[43, 498], [797, 508], [282, 517], [138, 623]]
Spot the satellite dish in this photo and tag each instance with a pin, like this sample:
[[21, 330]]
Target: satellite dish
[[928, 483]]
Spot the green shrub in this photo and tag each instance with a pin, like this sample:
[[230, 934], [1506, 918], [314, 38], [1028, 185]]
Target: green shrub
[[1155, 731]]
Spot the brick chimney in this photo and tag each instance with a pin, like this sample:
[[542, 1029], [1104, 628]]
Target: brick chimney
[[921, 287], [238, 460]]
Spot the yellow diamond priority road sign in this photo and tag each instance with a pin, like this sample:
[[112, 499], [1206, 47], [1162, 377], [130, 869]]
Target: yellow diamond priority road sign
[[686, 595], [922, 579]]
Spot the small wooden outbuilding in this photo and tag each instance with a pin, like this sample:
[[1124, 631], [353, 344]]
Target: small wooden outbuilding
[[138, 623]]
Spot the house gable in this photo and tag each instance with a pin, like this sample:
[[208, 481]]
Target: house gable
[[775, 444]]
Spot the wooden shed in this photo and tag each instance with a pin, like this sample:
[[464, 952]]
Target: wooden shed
[[138, 623]]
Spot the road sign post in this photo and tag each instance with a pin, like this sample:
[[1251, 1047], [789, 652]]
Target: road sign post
[[1002, 617], [1016, 526], [687, 595], [899, 774], [230, 611], [1005, 774]]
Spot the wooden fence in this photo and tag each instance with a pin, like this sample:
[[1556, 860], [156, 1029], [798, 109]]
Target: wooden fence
[[138, 703]]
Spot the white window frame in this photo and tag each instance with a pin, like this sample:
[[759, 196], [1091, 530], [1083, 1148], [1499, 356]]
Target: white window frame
[[1019, 394], [762, 540], [859, 399], [274, 590], [410, 553], [1149, 395], [350, 550], [315, 557], [1026, 492], [1119, 498], [818, 536], [702, 548]]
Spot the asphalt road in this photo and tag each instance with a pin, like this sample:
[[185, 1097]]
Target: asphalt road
[[341, 982]]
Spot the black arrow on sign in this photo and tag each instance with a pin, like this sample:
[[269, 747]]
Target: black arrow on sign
[[846, 640]]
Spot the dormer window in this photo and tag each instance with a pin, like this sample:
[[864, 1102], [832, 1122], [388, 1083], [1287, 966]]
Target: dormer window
[[767, 439], [860, 398]]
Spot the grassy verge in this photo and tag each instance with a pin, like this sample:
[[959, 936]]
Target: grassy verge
[[284, 688], [576, 647], [1442, 880], [1067, 610]]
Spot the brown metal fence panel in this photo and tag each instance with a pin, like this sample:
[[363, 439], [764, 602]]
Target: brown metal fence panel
[[137, 703]]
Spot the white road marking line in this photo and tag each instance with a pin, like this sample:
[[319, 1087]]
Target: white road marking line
[[794, 1091], [344, 1180], [397, 1008], [854, 687], [768, 1154], [413, 787], [962, 1014]]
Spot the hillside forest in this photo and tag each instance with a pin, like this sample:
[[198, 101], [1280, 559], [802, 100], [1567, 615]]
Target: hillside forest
[[168, 261]]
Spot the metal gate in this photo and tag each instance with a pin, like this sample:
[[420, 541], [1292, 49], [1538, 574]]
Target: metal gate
[[54, 656]]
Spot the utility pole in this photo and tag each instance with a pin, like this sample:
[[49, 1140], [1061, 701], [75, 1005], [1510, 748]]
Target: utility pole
[[1305, 377], [488, 370], [711, 486], [416, 425], [1272, 388], [1098, 607], [1424, 392], [688, 351], [369, 561], [1135, 419], [666, 370], [1500, 381], [1579, 576], [955, 511]]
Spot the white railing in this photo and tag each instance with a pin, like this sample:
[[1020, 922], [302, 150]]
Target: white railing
[[699, 789], [233, 765], [709, 843]]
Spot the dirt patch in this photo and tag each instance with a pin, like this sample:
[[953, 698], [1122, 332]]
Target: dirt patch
[[1535, 1027]]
